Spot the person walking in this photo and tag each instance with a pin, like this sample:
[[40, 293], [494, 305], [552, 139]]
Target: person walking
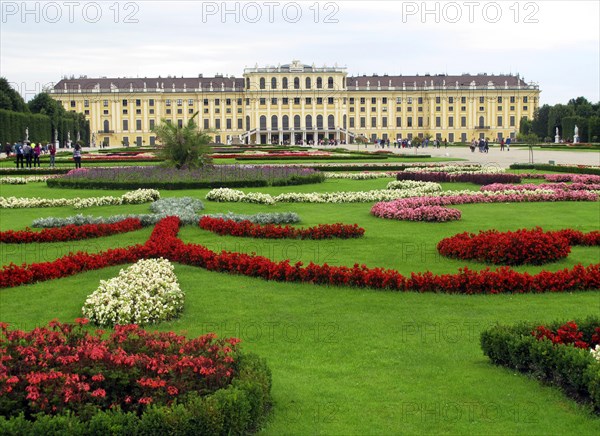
[[77, 155]]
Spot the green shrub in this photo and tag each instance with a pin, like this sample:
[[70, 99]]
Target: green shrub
[[573, 370]]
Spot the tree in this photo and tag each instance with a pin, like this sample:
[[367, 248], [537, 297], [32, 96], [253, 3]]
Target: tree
[[10, 99], [555, 116], [539, 124], [183, 147], [46, 105], [525, 126]]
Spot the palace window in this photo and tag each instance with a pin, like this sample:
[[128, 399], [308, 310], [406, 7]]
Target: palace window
[[296, 83], [330, 83], [261, 83], [284, 83], [463, 121], [398, 121], [151, 102], [274, 83], [274, 101], [190, 102], [167, 103], [363, 122], [438, 121], [409, 122], [362, 100], [319, 82], [319, 100], [512, 98], [329, 100], [373, 100], [499, 99], [481, 99], [308, 83], [124, 102], [105, 103], [398, 100], [450, 121], [420, 122]]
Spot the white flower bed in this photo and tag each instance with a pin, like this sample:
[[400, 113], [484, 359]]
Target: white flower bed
[[413, 184], [359, 176], [147, 292], [24, 180], [133, 197], [416, 189], [459, 169]]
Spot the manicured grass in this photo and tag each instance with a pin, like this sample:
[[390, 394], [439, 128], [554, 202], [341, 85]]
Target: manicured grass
[[347, 361]]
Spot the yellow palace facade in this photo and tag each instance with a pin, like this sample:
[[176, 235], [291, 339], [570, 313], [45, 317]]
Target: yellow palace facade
[[297, 103]]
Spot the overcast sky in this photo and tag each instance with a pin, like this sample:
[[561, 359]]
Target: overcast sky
[[553, 43]]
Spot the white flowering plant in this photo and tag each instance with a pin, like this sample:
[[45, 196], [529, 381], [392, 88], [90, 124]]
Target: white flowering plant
[[145, 293], [133, 197]]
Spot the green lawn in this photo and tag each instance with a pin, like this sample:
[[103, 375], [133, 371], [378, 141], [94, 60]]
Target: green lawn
[[348, 361]]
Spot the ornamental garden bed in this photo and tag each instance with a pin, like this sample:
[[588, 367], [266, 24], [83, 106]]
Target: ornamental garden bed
[[169, 179], [66, 379], [317, 338]]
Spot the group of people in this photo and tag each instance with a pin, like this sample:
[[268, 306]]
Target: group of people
[[408, 143], [484, 146], [27, 154]]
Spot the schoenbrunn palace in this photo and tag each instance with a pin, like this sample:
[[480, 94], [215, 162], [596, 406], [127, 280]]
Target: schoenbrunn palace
[[297, 103]]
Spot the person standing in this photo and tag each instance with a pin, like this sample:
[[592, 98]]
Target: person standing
[[37, 150], [77, 155], [28, 153], [507, 144], [52, 151], [19, 154], [502, 144]]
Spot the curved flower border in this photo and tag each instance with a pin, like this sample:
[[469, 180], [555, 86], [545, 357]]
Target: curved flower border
[[164, 243]]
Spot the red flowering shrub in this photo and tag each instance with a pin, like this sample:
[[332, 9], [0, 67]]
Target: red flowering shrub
[[64, 367], [576, 237], [567, 334], [534, 247], [222, 226], [70, 232], [164, 243]]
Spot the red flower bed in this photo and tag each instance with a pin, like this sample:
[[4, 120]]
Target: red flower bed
[[63, 367], [222, 226], [164, 243], [534, 247], [567, 334], [70, 232]]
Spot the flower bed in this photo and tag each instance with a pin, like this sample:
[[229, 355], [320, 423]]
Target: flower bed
[[533, 247], [557, 353], [549, 186], [164, 243], [145, 293], [468, 177], [231, 195], [575, 178], [169, 178], [401, 208], [359, 176], [25, 180], [133, 197], [64, 379], [579, 169], [260, 218], [70, 232], [248, 229], [185, 208]]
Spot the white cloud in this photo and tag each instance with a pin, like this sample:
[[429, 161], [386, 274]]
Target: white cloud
[[176, 38]]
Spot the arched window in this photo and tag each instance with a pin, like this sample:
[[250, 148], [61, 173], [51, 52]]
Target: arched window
[[285, 122], [330, 83], [106, 126], [308, 83], [247, 82], [263, 122], [296, 83], [262, 83], [297, 122], [247, 122], [481, 122], [320, 122], [308, 122], [284, 83], [330, 122], [274, 125], [274, 83], [319, 82]]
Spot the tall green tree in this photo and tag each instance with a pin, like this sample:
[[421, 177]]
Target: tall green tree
[[10, 99], [539, 124], [555, 116], [183, 147]]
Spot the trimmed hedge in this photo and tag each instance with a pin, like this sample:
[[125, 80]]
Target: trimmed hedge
[[101, 184], [241, 408], [556, 168], [573, 370], [317, 157]]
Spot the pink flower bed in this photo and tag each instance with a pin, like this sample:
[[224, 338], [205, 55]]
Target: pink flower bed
[[399, 209], [575, 178], [495, 187]]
